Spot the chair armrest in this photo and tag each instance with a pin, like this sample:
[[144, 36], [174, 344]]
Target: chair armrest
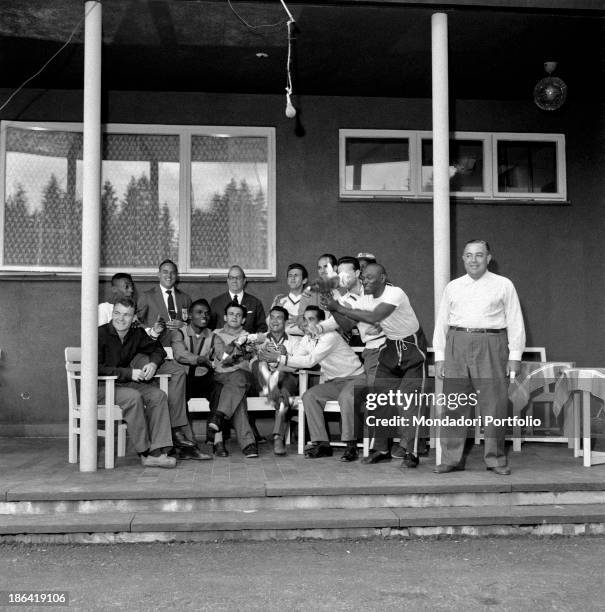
[[163, 378]]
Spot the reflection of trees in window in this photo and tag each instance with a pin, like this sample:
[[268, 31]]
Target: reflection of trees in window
[[233, 229], [136, 232]]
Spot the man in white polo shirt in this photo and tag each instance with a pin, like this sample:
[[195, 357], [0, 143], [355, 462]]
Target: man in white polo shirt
[[478, 340], [403, 356], [341, 369]]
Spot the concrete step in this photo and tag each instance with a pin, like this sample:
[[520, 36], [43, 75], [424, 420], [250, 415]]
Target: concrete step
[[280, 524], [280, 496]]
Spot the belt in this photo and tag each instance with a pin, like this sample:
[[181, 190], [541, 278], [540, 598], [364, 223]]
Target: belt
[[478, 330]]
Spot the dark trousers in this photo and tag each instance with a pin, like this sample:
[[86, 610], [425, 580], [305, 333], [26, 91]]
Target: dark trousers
[[401, 365]]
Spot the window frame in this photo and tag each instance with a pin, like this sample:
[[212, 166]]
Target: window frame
[[185, 134], [490, 167], [561, 172], [343, 134]]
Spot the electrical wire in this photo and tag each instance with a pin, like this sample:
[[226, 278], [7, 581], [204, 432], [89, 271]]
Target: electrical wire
[[255, 27], [73, 32]]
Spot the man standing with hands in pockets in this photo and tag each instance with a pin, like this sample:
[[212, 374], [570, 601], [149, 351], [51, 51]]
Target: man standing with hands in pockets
[[478, 340]]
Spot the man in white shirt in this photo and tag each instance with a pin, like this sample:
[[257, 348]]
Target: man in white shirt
[[341, 369], [478, 340], [402, 358], [297, 278]]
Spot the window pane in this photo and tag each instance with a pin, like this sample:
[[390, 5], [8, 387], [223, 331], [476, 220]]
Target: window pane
[[139, 200], [527, 167], [229, 178], [43, 210], [466, 165], [377, 164]]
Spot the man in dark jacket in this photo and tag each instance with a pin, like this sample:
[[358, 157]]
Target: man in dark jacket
[[143, 404]]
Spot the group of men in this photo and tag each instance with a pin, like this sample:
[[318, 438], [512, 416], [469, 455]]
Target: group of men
[[354, 327]]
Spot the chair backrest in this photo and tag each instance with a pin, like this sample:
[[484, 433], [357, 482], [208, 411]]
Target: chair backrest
[[169, 353], [73, 356]]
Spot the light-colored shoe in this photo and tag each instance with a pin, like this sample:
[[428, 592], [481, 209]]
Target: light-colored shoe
[[163, 461], [279, 448]]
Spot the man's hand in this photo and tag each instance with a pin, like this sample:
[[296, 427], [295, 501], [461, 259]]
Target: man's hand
[[138, 375], [270, 355], [513, 366], [149, 370], [175, 324], [159, 326], [374, 329], [204, 361], [439, 369], [327, 302]]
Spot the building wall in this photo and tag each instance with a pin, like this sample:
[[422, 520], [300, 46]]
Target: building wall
[[552, 252]]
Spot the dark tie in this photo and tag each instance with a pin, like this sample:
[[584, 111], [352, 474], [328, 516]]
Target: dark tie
[[235, 300], [171, 308]]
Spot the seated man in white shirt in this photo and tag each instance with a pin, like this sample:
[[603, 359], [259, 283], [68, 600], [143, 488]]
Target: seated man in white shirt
[[280, 381], [341, 369], [122, 286]]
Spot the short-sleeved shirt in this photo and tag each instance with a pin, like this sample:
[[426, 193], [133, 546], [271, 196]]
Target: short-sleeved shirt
[[402, 322]]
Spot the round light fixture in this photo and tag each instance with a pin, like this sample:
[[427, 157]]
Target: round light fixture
[[550, 92]]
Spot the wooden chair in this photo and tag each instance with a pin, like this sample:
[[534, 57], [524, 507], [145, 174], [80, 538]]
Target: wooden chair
[[108, 412]]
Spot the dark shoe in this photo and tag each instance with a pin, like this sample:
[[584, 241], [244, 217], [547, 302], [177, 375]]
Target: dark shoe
[[193, 453], [351, 454], [398, 452], [409, 461], [376, 457], [181, 441], [250, 452], [445, 469], [319, 450], [216, 421], [279, 448], [220, 450], [423, 448], [501, 470]]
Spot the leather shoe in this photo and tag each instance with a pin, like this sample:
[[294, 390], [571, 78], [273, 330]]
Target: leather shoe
[[398, 452], [445, 469], [279, 448], [181, 441], [319, 450], [501, 470], [376, 457], [351, 454], [409, 461], [193, 453], [220, 450]]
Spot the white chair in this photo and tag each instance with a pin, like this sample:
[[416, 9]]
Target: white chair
[[108, 412], [330, 407]]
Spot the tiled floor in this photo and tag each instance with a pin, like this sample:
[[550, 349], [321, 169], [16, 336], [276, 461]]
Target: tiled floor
[[40, 464]]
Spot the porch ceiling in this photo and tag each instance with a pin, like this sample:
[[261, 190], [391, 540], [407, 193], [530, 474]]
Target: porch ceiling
[[342, 48]]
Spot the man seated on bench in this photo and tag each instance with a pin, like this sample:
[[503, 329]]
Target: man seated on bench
[[143, 404], [195, 347], [278, 382], [341, 368], [232, 371]]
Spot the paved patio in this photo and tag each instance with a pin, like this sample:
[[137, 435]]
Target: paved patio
[[37, 468]]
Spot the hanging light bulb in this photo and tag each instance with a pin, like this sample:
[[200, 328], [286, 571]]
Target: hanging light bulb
[[290, 110]]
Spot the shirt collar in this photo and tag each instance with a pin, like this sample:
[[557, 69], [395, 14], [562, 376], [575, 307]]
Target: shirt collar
[[163, 290], [240, 296]]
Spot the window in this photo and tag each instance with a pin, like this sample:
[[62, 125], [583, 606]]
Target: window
[[468, 164], [485, 166], [202, 196], [375, 163]]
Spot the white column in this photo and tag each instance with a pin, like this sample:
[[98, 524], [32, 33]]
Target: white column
[[91, 232], [441, 178]]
